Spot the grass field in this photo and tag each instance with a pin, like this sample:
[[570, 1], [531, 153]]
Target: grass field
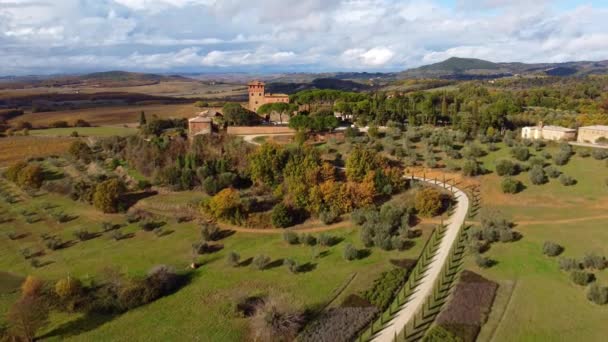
[[189, 89], [103, 131], [537, 301], [13, 149], [203, 310], [110, 115]]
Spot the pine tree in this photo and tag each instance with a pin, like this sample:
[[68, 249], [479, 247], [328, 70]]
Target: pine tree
[[142, 118]]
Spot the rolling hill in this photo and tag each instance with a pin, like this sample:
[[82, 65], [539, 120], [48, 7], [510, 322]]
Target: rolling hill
[[471, 68]]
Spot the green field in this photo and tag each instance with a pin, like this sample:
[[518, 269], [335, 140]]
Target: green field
[[536, 300], [103, 131], [202, 310]]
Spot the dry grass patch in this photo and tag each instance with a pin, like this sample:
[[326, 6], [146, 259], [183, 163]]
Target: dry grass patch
[[13, 149]]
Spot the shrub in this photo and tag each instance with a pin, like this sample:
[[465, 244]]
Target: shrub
[[292, 265], [350, 252], [482, 261], [282, 216], [210, 231], [567, 180], [471, 168], [117, 235], [309, 240], [505, 167], [510, 186], [30, 176], [32, 287], [568, 264], [233, 259], [274, 321], [83, 234], [108, 226], [13, 171], [428, 202], [506, 235], [329, 216], [561, 158], [520, 153], [384, 287], [261, 262], [584, 153], [107, 195], [581, 277], [338, 324], [326, 240], [552, 172], [552, 249], [53, 243], [599, 154], [68, 287], [290, 237], [537, 175], [597, 294], [592, 260]]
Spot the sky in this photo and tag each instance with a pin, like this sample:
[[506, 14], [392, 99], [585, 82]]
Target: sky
[[179, 36]]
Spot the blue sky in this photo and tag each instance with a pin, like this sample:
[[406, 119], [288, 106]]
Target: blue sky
[[68, 36]]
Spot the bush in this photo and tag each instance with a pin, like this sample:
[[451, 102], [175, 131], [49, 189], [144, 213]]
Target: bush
[[599, 154], [592, 260], [210, 231], [53, 243], [537, 175], [505, 167], [428, 202], [30, 176], [471, 168], [233, 259], [520, 153], [597, 294], [482, 261], [566, 180], [327, 240], [261, 262], [83, 234], [13, 171], [292, 265], [350, 252], [308, 240], [338, 324], [552, 249], [282, 216], [68, 287], [581, 277], [585, 153], [510, 186], [290, 237], [568, 264], [329, 216], [107, 195], [561, 158], [384, 287], [552, 172]]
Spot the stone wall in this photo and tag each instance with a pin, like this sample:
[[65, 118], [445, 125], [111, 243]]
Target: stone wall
[[250, 130]]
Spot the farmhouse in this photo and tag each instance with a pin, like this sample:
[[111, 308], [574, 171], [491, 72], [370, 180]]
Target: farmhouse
[[591, 134], [202, 123], [542, 132], [258, 97]]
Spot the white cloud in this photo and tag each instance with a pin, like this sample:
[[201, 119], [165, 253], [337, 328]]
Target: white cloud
[[314, 35]]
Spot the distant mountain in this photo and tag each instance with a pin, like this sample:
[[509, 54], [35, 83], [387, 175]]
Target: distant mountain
[[318, 83], [471, 68]]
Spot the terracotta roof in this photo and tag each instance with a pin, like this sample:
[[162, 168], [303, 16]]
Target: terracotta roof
[[255, 82], [559, 129], [276, 95]]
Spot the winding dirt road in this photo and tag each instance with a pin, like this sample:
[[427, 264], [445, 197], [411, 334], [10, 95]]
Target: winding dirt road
[[425, 288]]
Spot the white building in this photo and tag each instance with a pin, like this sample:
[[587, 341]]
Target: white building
[[542, 132], [590, 134]]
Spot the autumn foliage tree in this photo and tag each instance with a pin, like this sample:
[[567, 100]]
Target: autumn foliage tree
[[267, 163], [428, 202], [26, 317], [107, 195], [32, 287], [225, 205], [30, 176]]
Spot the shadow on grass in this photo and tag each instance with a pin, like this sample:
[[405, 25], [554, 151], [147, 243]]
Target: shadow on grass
[[363, 253], [275, 263], [85, 323], [246, 262], [307, 267]]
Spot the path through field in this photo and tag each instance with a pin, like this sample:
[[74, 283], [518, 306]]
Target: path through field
[[425, 288]]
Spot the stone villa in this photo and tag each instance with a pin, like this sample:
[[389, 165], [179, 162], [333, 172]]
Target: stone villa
[[258, 97], [590, 134], [202, 123], [542, 132]]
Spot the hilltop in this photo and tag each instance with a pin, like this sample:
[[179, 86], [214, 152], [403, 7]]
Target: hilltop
[[472, 68]]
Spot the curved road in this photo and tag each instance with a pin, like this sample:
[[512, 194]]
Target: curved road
[[425, 288]]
